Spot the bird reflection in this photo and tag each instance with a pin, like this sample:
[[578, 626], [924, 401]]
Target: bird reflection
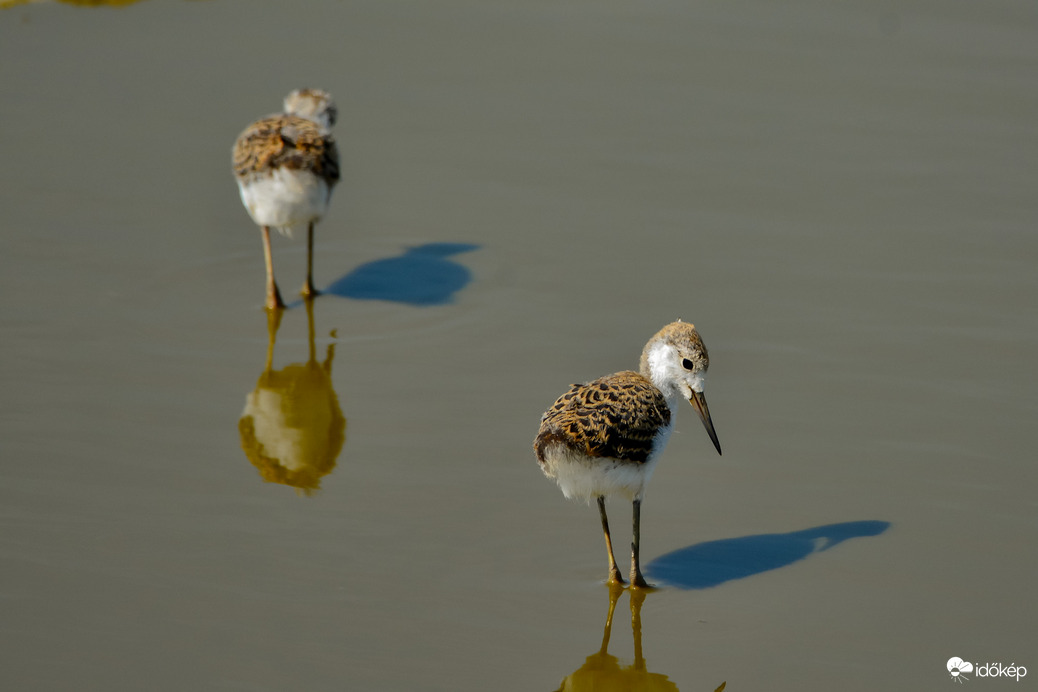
[[292, 428], [602, 672]]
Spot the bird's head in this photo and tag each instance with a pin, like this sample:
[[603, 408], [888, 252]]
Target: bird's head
[[676, 361], [312, 104]]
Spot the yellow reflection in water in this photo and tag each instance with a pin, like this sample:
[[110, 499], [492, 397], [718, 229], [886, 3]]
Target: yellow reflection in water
[[602, 672], [292, 428]]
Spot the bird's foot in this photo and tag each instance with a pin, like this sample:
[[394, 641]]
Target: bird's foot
[[638, 582], [274, 301]]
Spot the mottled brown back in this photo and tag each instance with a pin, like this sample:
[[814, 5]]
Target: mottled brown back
[[286, 141], [615, 416]]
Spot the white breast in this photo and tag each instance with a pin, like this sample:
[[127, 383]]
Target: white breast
[[585, 478], [285, 199]]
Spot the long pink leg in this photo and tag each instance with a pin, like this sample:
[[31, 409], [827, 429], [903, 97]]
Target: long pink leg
[[308, 288], [274, 301], [614, 571], [636, 569]]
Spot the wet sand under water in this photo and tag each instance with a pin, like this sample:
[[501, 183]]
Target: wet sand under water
[[842, 200]]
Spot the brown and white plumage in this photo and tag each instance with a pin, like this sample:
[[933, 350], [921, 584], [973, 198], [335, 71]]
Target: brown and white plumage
[[598, 437], [286, 166], [604, 437], [289, 142]]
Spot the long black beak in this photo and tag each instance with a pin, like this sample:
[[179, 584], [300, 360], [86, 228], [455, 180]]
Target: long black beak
[[698, 401]]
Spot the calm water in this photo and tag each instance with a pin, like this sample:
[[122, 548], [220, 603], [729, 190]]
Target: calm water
[[842, 198]]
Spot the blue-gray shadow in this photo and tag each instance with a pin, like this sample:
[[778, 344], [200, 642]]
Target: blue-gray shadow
[[709, 564], [422, 276]]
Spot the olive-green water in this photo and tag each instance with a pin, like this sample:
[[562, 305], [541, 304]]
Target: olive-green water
[[842, 197]]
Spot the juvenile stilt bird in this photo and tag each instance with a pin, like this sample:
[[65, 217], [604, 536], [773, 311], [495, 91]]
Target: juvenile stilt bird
[[286, 166], [604, 437]]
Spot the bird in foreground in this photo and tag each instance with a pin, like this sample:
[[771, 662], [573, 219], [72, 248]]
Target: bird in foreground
[[604, 437], [286, 166]]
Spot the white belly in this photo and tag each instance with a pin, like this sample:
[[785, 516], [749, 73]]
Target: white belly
[[584, 478], [286, 199]]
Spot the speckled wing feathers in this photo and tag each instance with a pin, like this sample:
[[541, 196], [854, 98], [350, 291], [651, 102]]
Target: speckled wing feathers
[[616, 416], [286, 141]]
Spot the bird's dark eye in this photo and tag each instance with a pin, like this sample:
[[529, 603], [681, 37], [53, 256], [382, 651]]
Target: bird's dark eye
[[687, 364]]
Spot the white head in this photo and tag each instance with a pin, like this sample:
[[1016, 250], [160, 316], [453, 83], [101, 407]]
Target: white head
[[676, 361], [312, 104]]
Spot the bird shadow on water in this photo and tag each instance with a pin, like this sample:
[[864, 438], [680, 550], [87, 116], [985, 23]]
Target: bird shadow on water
[[422, 276], [704, 565]]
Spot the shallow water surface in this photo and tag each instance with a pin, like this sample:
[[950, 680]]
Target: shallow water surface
[[841, 198]]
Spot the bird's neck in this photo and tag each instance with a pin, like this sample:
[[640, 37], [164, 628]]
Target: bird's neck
[[657, 365]]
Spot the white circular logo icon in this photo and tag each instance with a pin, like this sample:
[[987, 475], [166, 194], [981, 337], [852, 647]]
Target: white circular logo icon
[[956, 667]]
